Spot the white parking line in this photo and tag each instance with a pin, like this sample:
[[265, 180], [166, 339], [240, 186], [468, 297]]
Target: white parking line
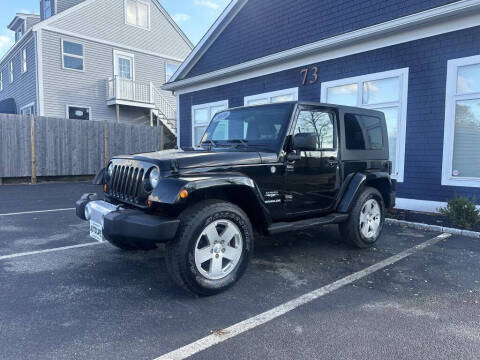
[[251, 323], [49, 250], [36, 212]]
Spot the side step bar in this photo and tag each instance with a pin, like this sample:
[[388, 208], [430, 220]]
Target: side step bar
[[281, 227]]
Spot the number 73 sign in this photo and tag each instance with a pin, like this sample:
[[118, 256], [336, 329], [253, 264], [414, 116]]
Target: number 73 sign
[[309, 75]]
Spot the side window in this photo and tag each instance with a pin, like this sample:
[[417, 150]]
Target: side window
[[363, 132], [318, 123]]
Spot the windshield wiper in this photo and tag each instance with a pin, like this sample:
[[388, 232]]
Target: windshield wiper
[[241, 142], [211, 142]]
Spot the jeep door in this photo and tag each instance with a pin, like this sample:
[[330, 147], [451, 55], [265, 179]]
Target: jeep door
[[312, 180]]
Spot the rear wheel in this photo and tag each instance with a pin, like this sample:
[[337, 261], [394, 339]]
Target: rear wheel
[[212, 248], [366, 219]]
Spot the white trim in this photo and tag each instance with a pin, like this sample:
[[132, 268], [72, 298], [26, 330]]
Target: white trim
[[39, 77], [67, 113], [449, 129], [173, 23], [55, 17], [406, 29], [16, 45], [421, 205], [32, 105], [207, 37], [24, 61], [205, 106], [116, 55], [403, 75], [111, 43], [148, 28], [62, 40], [1, 79], [130, 103], [177, 98], [11, 72], [270, 95]]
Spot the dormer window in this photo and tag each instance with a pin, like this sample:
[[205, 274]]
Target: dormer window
[[19, 34], [47, 9]]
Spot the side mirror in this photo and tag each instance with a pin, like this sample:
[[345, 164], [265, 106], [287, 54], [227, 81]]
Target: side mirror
[[305, 142]]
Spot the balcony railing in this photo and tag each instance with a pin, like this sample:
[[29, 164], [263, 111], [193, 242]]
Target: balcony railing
[[129, 90]]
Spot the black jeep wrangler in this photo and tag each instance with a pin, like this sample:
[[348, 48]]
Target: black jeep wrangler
[[268, 168]]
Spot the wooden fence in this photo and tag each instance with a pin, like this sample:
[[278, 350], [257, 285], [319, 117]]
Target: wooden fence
[[40, 146]]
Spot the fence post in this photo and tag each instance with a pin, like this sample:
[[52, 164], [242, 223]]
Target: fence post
[[105, 140], [32, 144]]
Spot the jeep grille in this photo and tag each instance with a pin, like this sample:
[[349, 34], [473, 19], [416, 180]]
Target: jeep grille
[[126, 184]]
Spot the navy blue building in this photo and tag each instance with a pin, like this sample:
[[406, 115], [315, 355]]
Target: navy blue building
[[418, 61]]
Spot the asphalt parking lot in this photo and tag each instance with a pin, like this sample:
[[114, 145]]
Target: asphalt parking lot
[[62, 297]]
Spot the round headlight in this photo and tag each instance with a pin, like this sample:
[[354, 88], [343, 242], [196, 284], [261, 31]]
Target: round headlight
[[110, 170], [154, 177], [87, 212]]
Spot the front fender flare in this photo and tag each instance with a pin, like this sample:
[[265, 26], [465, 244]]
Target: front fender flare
[[168, 191]]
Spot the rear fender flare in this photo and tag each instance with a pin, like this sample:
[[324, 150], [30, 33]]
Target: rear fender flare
[[355, 185]]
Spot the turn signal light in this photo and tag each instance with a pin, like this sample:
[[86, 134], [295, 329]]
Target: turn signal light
[[104, 188], [149, 202], [183, 194]]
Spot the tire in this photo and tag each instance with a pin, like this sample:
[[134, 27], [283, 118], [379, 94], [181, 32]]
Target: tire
[[131, 245], [197, 259], [355, 230]]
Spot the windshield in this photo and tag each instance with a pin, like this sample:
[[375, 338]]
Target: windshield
[[252, 127]]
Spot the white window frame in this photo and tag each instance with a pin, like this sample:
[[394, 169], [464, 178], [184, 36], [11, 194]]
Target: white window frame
[[24, 61], [78, 106], [1, 80], [118, 54], [32, 105], [73, 55], [11, 76], [399, 172], [166, 70], [208, 106], [449, 129], [272, 94], [136, 23]]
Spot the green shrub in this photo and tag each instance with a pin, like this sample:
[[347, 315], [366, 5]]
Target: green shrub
[[462, 212]]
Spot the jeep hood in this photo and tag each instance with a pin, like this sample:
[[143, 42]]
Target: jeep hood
[[197, 159]]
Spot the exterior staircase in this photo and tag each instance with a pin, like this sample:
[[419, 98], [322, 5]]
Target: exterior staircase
[[163, 111]]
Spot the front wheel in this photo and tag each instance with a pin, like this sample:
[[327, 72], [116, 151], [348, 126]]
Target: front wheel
[[212, 248], [366, 219]]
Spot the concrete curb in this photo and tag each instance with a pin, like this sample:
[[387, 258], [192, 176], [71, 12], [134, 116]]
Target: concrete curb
[[434, 228]]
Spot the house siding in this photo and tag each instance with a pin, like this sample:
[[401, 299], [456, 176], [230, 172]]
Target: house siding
[[427, 62], [265, 27], [88, 88], [62, 5], [23, 89], [106, 21]]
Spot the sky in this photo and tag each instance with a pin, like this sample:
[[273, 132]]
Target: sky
[[193, 16]]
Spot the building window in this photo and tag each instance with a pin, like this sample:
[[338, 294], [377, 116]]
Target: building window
[[19, 34], [10, 66], [386, 92], [72, 56], [170, 70], [47, 9], [272, 97], [28, 109], [24, 61], [137, 13], [201, 117], [461, 152], [78, 112]]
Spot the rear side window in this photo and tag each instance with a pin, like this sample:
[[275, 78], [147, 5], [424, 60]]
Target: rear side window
[[363, 132]]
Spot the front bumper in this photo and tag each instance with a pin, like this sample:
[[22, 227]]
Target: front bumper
[[126, 225]]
